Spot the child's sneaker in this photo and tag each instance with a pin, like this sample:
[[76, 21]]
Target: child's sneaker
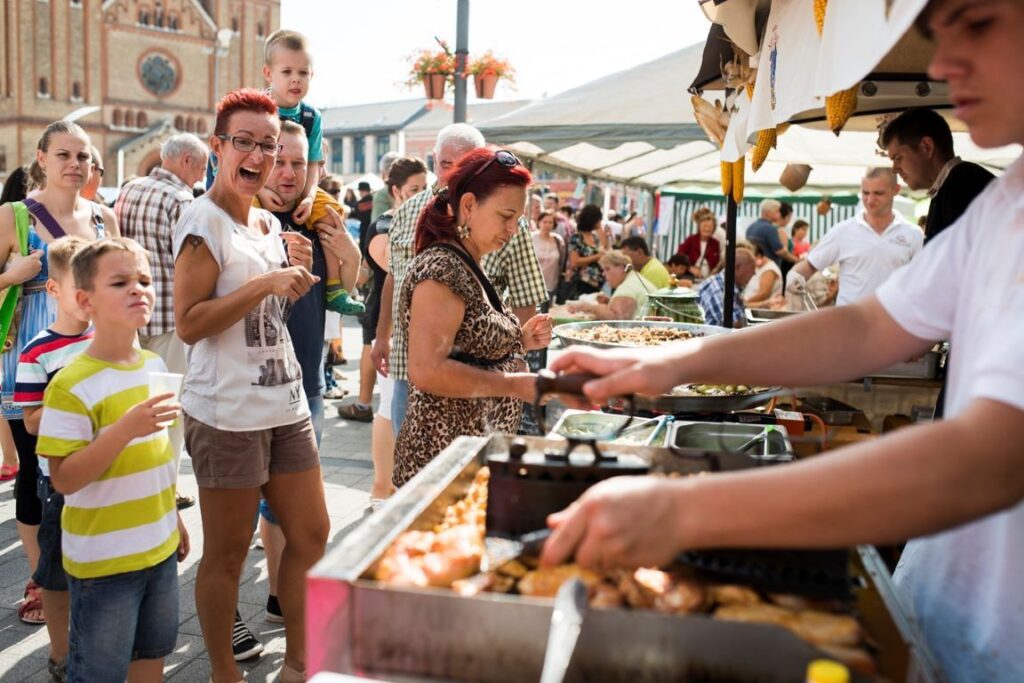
[[338, 301]]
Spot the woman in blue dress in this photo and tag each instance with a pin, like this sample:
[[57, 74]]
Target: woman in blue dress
[[57, 210]]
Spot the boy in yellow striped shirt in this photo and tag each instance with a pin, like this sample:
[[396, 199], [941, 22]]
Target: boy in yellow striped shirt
[[106, 442]]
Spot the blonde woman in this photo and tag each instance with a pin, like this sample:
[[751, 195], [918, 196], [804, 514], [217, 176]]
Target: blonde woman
[[630, 291]]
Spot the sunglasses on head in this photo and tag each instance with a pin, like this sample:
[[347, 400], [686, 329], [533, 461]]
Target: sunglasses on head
[[503, 157]]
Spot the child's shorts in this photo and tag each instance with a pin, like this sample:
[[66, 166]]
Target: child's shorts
[[50, 570], [118, 619]]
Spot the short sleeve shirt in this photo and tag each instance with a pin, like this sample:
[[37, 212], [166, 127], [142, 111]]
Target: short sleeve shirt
[[311, 120], [656, 273], [963, 586], [126, 520], [866, 259], [635, 287], [246, 377], [764, 234], [40, 360]]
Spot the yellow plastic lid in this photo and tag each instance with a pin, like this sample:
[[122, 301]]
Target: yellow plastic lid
[[827, 671]]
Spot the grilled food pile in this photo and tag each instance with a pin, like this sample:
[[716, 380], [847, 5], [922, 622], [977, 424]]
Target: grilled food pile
[[631, 336], [450, 556]]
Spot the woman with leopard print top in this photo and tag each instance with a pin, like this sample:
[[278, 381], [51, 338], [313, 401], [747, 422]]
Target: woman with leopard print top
[[466, 348]]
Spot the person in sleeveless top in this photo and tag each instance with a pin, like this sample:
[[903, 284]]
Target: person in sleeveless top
[[64, 156], [466, 348]]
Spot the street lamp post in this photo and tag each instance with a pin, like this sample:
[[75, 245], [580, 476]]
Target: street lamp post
[[461, 52]]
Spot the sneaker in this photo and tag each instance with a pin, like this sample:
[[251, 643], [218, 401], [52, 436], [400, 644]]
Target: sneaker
[[243, 642], [58, 670], [354, 411], [335, 393], [338, 300], [274, 615]]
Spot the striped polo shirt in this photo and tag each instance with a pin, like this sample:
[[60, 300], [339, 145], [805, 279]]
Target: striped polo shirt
[[40, 360], [126, 520]]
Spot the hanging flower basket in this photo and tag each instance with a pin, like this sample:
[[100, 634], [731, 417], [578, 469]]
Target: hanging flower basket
[[434, 85], [433, 69], [487, 70], [485, 85]]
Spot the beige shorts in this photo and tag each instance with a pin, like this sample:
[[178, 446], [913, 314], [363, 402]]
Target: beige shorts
[[245, 460]]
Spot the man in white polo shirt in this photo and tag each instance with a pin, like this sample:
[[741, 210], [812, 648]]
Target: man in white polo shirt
[[868, 247]]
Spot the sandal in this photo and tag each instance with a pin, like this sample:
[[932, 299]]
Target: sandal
[[8, 472], [32, 602]]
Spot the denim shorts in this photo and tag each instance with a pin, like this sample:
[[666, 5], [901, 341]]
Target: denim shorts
[[50, 570], [118, 619]]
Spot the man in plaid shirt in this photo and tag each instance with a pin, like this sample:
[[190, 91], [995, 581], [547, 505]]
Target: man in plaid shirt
[[711, 293], [146, 211], [513, 269]]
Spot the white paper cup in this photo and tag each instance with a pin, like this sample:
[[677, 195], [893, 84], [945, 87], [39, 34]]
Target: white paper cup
[[165, 383]]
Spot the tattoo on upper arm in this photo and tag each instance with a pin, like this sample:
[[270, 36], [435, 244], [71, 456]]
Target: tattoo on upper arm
[[196, 241]]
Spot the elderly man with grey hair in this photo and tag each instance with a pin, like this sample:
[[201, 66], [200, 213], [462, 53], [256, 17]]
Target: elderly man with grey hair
[[764, 233], [147, 210], [868, 247], [513, 269]]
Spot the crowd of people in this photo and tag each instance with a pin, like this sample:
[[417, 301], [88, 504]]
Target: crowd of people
[[454, 275]]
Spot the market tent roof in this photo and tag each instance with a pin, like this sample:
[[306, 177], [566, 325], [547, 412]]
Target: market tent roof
[[647, 103], [378, 116]]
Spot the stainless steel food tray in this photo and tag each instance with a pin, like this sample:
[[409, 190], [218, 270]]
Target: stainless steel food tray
[[358, 626], [564, 332], [653, 429], [730, 436], [765, 315], [925, 367]]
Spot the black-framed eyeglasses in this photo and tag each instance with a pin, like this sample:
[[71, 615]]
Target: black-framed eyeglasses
[[244, 144], [503, 157], [99, 170]]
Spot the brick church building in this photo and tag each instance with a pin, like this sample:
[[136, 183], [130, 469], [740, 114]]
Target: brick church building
[[131, 72]]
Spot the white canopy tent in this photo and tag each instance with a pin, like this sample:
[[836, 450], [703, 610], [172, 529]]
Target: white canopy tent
[[636, 127]]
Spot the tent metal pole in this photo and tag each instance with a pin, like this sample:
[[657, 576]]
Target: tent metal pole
[[461, 52], [730, 262]]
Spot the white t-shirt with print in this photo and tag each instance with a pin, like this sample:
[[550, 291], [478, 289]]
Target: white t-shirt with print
[[965, 586], [866, 259], [247, 377]]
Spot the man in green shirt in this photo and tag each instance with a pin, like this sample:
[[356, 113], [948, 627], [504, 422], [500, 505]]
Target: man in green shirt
[[651, 268]]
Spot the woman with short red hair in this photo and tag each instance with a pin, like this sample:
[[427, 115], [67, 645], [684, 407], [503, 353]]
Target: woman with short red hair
[[466, 370], [247, 423]]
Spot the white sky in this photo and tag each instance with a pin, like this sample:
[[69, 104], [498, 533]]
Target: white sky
[[360, 48]]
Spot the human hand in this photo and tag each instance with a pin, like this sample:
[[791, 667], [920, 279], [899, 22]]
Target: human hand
[[336, 238], [796, 283], [292, 282], [149, 416], [380, 354], [270, 200], [623, 522], [537, 332], [23, 268], [184, 544], [603, 298], [621, 372], [299, 248], [302, 211]]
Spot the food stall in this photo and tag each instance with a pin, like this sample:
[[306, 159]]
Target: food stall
[[415, 592]]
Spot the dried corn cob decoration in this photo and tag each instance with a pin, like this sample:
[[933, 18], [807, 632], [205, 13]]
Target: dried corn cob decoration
[[766, 140], [819, 14], [726, 168], [738, 167], [749, 87], [840, 107]]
